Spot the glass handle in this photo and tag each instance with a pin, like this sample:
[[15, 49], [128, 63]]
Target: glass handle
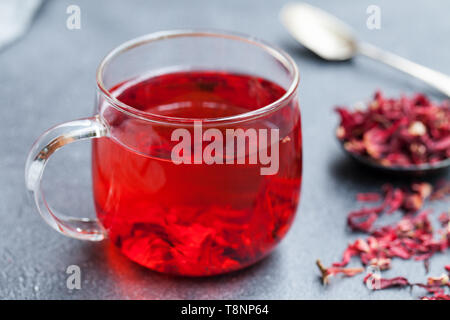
[[43, 148]]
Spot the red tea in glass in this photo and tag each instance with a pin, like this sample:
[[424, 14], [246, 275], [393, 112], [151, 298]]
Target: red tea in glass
[[195, 219], [192, 219]]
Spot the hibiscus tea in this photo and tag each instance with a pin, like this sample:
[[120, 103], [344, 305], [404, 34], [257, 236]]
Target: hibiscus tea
[[195, 219]]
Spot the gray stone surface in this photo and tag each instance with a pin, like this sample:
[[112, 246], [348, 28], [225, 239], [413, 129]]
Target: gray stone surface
[[48, 78]]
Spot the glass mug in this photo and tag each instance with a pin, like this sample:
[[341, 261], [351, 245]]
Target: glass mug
[[170, 214]]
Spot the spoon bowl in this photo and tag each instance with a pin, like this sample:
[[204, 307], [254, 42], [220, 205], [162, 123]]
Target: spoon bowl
[[319, 31]]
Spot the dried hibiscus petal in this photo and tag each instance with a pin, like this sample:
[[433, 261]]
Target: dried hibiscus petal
[[437, 296], [410, 238], [358, 247], [381, 263], [378, 283], [368, 197], [399, 251], [332, 271], [397, 132], [394, 199], [439, 281], [363, 219]]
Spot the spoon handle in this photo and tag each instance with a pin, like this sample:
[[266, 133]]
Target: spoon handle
[[434, 78]]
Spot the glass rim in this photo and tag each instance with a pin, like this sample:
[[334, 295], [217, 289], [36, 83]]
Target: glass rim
[[275, 52]]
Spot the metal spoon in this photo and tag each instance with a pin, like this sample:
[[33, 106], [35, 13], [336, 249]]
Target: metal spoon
[[331, 39]]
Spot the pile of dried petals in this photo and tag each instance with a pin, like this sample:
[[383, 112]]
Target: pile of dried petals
[[434, 286], [397, 132], [411, 238]]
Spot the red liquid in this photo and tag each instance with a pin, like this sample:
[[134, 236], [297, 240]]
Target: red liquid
[[195, 219]]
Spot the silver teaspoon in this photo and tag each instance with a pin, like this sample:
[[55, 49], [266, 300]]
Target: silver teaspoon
[[331, 39]]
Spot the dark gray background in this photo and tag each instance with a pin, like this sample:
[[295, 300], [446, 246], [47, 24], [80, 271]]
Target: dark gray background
[[48, 77]]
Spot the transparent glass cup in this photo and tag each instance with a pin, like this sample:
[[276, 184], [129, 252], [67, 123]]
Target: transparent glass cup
[[185, 219]]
